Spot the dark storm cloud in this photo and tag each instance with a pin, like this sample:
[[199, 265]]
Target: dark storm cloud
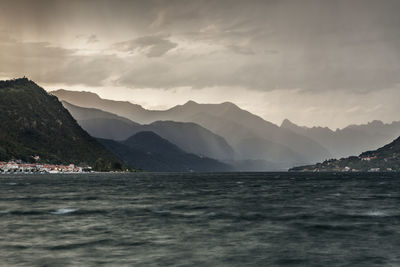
[[314, 45], [155, 46], [92, 39], [241, 49]]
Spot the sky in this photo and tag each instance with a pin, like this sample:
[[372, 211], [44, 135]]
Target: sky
[[316, 62]]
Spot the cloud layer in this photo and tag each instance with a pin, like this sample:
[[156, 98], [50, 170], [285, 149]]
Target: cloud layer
[[309, 46], [258, 45]]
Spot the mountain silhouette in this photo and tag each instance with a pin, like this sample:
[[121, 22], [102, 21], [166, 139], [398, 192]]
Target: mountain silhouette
[[351, 140], [235, 125], [190, 137], [150, 152]]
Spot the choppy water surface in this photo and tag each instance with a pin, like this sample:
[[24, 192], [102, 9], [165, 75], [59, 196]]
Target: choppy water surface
[[264, 219]]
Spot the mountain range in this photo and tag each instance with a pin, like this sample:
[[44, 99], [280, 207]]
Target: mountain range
[[113, 135], [189, 137], [252, 138], [256, 144], [351, 140], [36, 127]]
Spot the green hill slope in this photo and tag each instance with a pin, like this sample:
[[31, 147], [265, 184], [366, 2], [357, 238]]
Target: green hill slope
[[32, 122]]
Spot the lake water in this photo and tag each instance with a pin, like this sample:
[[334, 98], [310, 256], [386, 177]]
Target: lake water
[[240, 219]]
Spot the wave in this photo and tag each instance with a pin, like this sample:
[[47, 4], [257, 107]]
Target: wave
[[376, 213], [63, 211], [54, 212], [69, 246]]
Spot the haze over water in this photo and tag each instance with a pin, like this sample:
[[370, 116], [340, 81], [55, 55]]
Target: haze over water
[[242, 219]]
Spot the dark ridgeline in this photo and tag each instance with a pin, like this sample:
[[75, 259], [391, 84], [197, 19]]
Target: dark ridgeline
[[150, 152], [35, 123], [384, 159], [256, 142]]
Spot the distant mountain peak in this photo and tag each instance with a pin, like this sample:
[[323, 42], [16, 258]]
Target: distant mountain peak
[[227, 103], [190, 102], [193, 103], [376, 123], [286, 123]]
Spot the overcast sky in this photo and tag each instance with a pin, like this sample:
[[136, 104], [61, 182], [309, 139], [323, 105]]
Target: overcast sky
[[316, 62]]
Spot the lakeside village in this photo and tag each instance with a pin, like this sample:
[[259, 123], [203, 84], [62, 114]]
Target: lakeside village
[[20, 167], [364, 163]]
